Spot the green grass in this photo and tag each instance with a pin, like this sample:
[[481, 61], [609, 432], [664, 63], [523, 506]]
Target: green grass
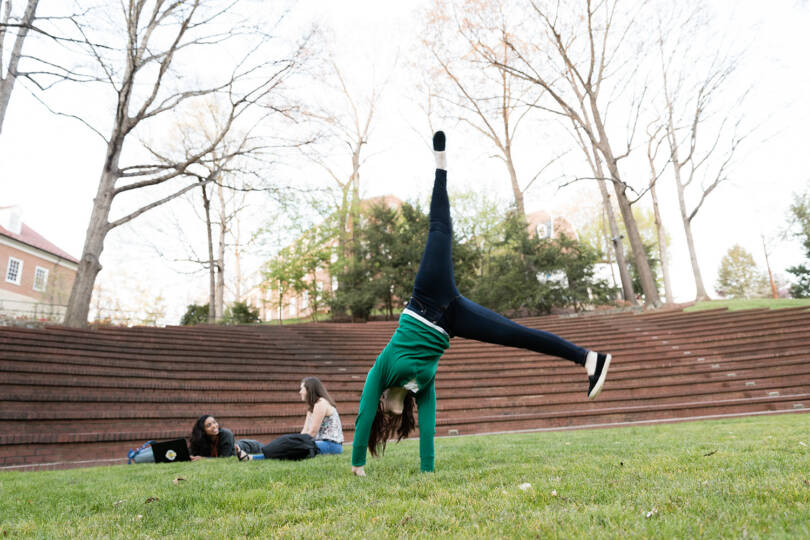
[[735, 478], [741, 303]]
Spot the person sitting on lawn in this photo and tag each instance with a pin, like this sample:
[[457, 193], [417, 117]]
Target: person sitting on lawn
[[323, 421], [404, 372], [210, 440]]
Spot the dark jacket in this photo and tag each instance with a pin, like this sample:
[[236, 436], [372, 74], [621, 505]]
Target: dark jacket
[[225, 445]]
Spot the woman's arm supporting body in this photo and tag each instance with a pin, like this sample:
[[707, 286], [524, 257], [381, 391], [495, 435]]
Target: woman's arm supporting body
[[372, 390], [315, 418], [426, 408]]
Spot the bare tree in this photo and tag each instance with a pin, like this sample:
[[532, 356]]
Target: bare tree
[[654, 141], [690, 93], [348, 126], [8, 76], [227, 174], [595, 161], [482, 95], [47, 39], [156, 36], [572, 73]]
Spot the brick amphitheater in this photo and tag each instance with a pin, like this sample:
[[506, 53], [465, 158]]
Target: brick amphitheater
[[72, 398]]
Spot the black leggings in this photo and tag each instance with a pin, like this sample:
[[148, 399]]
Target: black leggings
[[436, 297]]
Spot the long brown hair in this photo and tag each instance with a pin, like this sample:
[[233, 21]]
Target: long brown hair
[[388, 425], [315, 391], [200, 443]]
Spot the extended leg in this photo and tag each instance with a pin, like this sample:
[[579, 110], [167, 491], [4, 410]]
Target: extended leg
[[471, 321], [434, 281], [468, 319]]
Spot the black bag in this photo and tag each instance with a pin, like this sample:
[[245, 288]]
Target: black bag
[[294, 446]]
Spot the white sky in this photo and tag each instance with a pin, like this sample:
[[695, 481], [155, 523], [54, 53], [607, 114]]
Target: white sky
[[50, 166]]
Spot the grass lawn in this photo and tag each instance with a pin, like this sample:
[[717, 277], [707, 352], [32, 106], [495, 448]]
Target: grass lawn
[[735, 304], [735, 478]]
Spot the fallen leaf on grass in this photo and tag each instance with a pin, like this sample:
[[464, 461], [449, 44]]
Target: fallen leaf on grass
[[713, 452], [178, 480], [652, 512], [525, 486], [152, 499], [122, 501]]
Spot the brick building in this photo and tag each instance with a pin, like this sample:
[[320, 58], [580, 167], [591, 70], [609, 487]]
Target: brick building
[[36, 275]]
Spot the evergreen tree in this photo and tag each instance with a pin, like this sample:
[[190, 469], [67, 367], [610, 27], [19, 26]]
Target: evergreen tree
[[800, 219], [195, 314]]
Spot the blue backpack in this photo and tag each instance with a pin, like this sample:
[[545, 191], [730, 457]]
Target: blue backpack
[[132, 453]]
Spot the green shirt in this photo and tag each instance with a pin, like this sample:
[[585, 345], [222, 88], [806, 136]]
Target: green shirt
[[409, 360]]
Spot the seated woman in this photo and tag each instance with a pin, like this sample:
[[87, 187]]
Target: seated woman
[[210, 440], [323, 421]]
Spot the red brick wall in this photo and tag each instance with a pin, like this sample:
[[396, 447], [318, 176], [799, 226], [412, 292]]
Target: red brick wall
[[60, 276]]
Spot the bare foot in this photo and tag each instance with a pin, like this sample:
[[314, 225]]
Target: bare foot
[[358, 471]]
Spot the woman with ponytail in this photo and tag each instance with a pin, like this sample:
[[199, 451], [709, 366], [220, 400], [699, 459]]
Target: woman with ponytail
[[404, 372]]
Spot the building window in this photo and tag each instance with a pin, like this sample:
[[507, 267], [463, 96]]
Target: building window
[[14, 271], [542, 230], [40, 279]]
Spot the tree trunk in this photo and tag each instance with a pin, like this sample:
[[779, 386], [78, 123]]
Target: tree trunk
[[7, 82], [700, 290], [774, 293], [220, 287], [615, 238], [212, 313], [89, 265], [648, 286], [662, 246], [237, 263], [516, 192], [354, 204]]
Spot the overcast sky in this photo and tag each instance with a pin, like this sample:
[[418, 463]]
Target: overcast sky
[[50, 166]]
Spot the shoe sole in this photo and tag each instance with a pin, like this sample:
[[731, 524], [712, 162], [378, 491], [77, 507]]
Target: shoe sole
[[601, 382]]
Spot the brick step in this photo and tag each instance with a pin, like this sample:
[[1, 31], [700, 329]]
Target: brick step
[[464, 400], [451, 359], [111, 386], [22, 422], [210, 349], [568, 417], [99, 390], [63, 419], [657, 413], [621, 368]]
